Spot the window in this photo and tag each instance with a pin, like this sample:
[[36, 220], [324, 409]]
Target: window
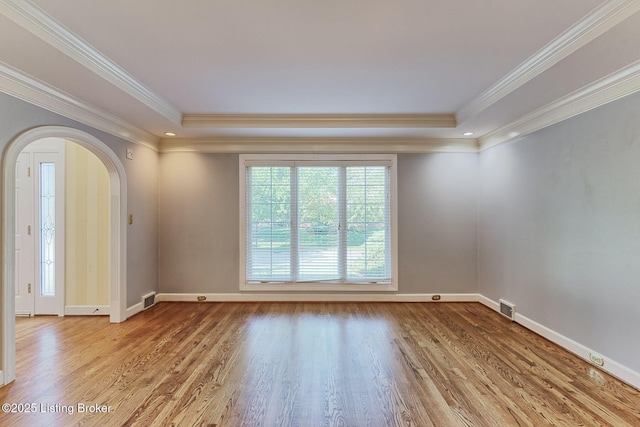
[[47, 229], [321, 222]]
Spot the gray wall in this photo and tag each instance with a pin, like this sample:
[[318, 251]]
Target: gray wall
[[437, 224], [17, 116], [560, 228], [199, 205]]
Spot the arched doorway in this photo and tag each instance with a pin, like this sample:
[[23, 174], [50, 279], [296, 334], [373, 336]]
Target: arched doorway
[[118, 237]]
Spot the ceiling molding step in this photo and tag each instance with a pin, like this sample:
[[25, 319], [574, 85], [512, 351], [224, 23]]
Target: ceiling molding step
[[39, 23], [316, 121], [596, 23], [610, 88], [319, 145], [13, 82]]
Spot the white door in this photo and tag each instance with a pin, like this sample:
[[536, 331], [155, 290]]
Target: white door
[[25, 249], [46, 290]]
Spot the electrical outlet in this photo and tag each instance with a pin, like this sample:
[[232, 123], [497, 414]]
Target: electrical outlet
[[129, 154], [201, 298], [596, 359], [435, 298]]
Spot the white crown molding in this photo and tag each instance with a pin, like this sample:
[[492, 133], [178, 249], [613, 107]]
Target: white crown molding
[[36, 21], [596, 23], [319, 145], [33, 91], [605, 90], [315, 121]]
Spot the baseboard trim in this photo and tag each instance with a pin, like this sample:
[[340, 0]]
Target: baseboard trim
[[313, 297], [134, 309], [493, 305], [87, 310], [621, 372]]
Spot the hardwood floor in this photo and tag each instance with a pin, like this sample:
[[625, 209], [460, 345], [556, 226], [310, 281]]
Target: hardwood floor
[[306, 364]]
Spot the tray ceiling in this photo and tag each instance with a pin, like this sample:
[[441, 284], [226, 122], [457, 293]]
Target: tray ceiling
[[329, 70]]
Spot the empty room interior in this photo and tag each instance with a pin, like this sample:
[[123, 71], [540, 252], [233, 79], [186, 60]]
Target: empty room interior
[[320, 213]]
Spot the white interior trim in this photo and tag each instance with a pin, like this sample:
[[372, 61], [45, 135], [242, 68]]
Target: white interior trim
[[596, 23], [610, 366], [87, 310], [493, 305], [15, 83], [118, 230], [320, 145], [135, 309], [39, 23], [247, 159], [313, 297], [609, 88], [318, 121]]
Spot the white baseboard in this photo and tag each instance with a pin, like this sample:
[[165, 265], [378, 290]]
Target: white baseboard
[[610, 366], [87, 310], [25, 313], [309, 297], [134, 309], [489, 303]]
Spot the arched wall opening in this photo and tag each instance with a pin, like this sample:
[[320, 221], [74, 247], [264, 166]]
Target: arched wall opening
[[118, 236]]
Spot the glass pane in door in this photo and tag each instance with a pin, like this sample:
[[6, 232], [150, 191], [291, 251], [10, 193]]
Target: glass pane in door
[[47, 229]]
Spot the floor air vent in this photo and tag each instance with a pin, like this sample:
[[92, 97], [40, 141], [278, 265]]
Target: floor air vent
[[508, 309], [148, 300]]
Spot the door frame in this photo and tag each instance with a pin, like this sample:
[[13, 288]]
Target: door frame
[[118, 231]]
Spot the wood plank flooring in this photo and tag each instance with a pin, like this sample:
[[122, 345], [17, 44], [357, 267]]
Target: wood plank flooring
[[306, 364]]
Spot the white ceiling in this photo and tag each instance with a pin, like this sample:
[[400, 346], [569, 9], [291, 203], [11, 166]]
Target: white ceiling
[[486, 62]]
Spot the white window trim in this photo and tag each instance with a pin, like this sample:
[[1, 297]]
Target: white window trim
[[255, 159]]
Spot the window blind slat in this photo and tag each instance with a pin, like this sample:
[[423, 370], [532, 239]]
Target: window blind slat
[[327, 223], [317, 196], [268, 224]]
